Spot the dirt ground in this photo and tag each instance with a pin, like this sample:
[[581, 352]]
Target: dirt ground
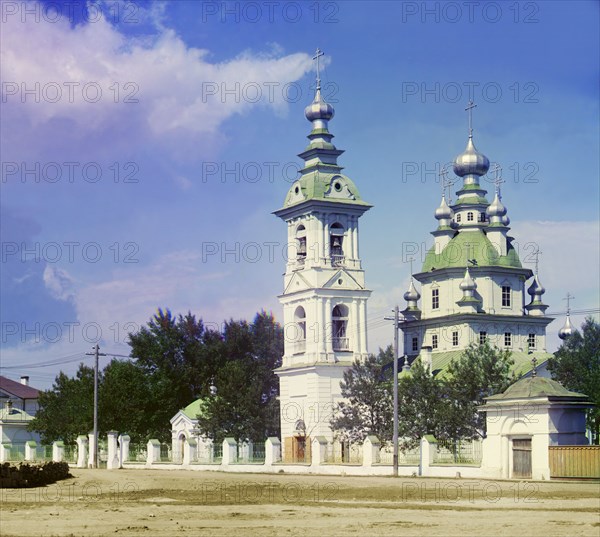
[[162, 502]]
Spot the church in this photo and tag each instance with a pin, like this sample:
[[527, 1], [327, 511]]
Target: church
[[473, 286]]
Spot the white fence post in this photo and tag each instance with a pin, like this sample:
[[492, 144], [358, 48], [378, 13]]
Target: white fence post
[[153, 448], [428, 450], [124, 440], [229, 451], [371, 450], [58, 451], [92, 448], [82, 451], [4, 452], [319, 450], [272, 450], [113, 455], [30, 450]]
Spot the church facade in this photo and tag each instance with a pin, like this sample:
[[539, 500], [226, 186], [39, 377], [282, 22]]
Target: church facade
[[324, 297], [473, 285]]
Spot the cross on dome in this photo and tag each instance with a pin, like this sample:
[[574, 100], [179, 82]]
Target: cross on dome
[[316, 57], [469, 109]]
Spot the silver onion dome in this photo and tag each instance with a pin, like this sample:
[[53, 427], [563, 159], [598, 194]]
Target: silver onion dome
[[444, 212], [496, 208], [319, 109], [471, 161], [468, 283], [536, 288], [412, 294], [567, 329]]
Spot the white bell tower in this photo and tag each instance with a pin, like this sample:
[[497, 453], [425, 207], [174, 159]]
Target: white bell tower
[[324, 297]]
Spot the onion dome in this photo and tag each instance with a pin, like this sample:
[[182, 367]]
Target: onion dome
[[412, 295], [567, 329], [468, 283], [444, 212], [471, 161], [319, 109], [496, 208], [536, 289]]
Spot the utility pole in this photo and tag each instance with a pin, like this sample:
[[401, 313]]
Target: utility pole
[[96, 354], [396, 320]]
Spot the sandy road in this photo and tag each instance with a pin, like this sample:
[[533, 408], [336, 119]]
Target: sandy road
[[162, 502]]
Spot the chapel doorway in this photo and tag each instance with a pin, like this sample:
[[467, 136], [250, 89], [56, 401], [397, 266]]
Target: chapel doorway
[[521, 450]]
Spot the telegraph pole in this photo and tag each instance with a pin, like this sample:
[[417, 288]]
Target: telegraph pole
[[96, 354], [396, 320]]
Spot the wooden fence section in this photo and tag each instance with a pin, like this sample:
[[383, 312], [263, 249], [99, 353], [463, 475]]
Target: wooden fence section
[[575, 462]]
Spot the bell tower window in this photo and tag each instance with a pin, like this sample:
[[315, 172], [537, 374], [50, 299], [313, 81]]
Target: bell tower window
[[301, 244], [506, 296], [299, 343], [458, 217], [336, 239], [470, 216], [339, 328]]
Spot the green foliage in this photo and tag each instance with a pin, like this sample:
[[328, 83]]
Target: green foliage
[[419, 402], [175, 359], [481, 371], [66, 410], [576, 365], [368, 409]]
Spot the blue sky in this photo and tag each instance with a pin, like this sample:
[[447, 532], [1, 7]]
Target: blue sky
[[180, 216]]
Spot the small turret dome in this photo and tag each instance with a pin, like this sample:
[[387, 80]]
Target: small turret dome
[[444, 212], [412, 294], [319, 109], [536, 288], [496, 208], [471, 161], [468, 283], [567, 329]]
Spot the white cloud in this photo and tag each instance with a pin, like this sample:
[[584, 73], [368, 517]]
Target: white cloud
[[58, 282], [177, 89]]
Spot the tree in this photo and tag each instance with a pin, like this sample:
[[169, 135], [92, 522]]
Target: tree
[[576, 365], [480, 371], [66, 410], [419, 400], [246, 405], [368, 406]]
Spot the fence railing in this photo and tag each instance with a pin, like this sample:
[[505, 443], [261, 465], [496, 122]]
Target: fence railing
[[16, 452], [343, 453], [410, 457], [70, 453], [43, 453], [250, 453], [137, 453], [465, 452]]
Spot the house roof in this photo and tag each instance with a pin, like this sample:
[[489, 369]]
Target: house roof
[[17, 389], [14, 415], [193, 409]]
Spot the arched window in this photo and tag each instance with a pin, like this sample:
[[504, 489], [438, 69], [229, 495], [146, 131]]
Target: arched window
[[469, 217], [339, 328], [301, 244], [300, 332], [336, 240], [458, 218], [482, 217]]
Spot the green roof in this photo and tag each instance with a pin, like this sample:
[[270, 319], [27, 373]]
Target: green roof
[[193, 409], [479, 248], [536, 387], [522, 361], [320, 185]]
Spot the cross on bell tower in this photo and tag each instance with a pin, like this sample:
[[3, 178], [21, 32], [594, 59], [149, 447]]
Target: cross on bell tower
[[469, 109]]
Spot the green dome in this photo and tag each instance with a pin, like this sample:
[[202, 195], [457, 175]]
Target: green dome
[[478, 247], [326, 186]]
